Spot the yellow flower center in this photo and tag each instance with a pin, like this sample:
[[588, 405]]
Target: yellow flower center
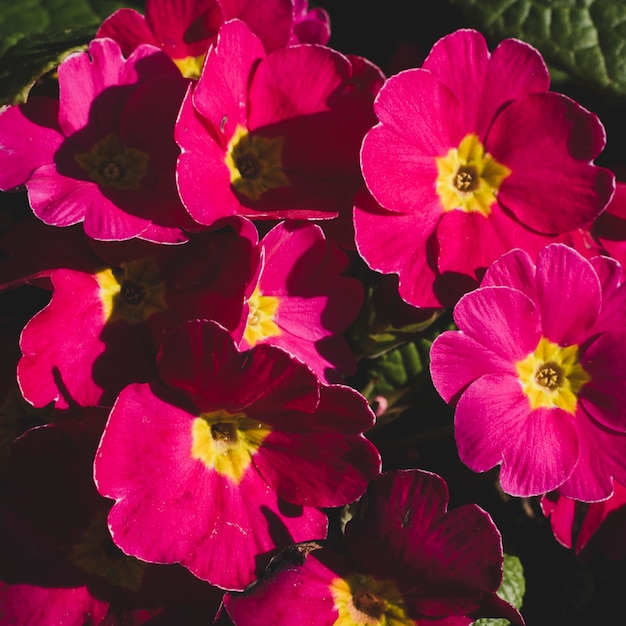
[[363, 600], [469, 178], [261, 315], [132, 292], [111, 165], [227, 442], [552, 376], [191, 67], [254, 163]]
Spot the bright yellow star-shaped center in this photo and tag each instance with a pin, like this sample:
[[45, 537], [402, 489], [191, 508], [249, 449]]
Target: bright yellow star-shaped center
[[469, 178], [551, 376]]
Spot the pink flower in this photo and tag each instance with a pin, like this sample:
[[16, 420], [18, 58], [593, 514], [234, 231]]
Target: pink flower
[[310, 25], [536, 375], [583, 526], [101, 154], [300, 302], [610, 227], [103, 327], [272, 135], [407, 560], [230, 458], [186, 29], [472, 156], [25, 604]]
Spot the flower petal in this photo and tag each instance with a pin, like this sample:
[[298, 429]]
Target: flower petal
[[202, 175], [537, 450], [569, 294], [456, 360], [601, 458], [221, 95], [29, 138], [335, 462], [418, 123], [502, 319], [460, 61], [444, 562], [297, 594], [201, 359], [275, 93], [548, 142], [514, 269], [604, 396], [470, 242], [378, 231]]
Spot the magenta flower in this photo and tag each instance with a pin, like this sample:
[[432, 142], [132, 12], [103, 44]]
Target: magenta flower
[[186, 29], [610, 227], [310, 25], [102, 154], [231, 459], [582, 526], [535, 374], [408, 560], [272, 135], [26, 605], [472, 156], [102, 328], [300, 302]]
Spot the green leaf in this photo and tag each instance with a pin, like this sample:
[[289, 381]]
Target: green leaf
[[35, 35], [22, 65], [384, 338], [372, 334], [395, 369], [585, 38], [512, 590]]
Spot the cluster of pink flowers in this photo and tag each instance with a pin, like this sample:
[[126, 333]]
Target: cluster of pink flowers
[[202, 186]]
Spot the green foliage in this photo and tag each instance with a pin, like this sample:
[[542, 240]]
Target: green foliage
[[373, 334], [35, 35], [379, 338], [512, 589], [23, 64], [585, 38], [396, 369]]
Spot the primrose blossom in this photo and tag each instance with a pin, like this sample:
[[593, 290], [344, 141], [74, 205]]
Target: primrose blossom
[[101, 155], [300, 302], [406, 560], [230, 457], [535, 376], [186, 29], [272, 135], [473, 156], [103, 327]]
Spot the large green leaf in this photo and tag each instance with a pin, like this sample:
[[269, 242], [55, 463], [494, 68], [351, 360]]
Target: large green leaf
[[35, 35], [33, 56], [585, 38]]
